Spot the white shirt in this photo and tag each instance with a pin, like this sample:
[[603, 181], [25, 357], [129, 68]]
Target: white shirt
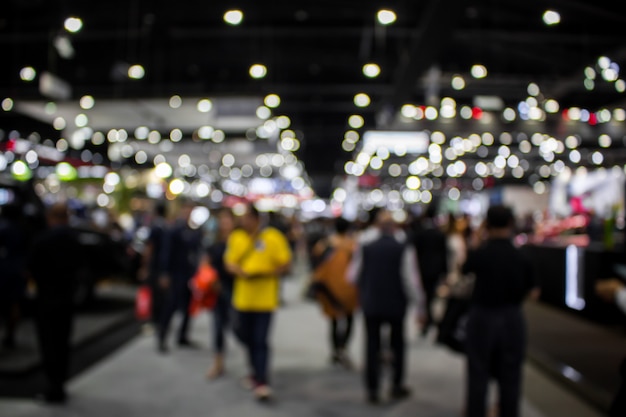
[[620, 299]]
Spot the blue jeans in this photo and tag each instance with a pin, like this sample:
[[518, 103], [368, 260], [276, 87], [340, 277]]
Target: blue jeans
[[221, 321], [253, 331]]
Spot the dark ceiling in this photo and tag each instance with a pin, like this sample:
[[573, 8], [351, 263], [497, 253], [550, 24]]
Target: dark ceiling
[[314, 52]]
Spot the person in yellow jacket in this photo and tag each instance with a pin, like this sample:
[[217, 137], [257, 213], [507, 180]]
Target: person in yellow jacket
[[257, 256]]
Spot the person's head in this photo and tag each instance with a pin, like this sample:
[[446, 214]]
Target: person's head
[[250, 219], [160, 209], [384, 221], [500, 220], [225, 222], [186, 207], [342, 225], [58, 214]]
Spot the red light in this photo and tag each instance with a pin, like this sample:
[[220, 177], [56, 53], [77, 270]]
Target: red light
[[11, 145], [477, 113], [565, 115], [593, 119]]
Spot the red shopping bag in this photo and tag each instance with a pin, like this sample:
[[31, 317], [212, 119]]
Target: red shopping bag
[[203, 287], [143, 303]]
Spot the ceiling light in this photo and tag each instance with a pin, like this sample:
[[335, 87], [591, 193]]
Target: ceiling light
[[263, 113], [272, 101], [59, 123], [479, 71], [7, 104], [458, 82], [87, 102], [81, 120], [362, 100], [205, 105], [386, 17], [590, 73], [371, 70], [206, 132], [176, 135], [604, 62], [409, 111], [233, 17], [283, 122], [28, 73], [551, 17], [136, 72], [355, 121], [258, 71], [73, 24], [175, 102]]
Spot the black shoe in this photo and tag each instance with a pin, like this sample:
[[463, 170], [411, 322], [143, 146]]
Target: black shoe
[[162, 348], [8, 343], [400, 393], [373, 398], [53, 398], [185, 343]]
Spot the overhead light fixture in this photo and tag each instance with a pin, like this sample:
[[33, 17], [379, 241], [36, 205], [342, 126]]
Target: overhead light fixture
[[356, 121], [87, 102], [551, 17], [7, 104], [28, 74], [205, 105], [479, 71], [272, 101], [233, 17], [458, 82], [258, 71], [371, 70], [175, 102], [136, 72], [73, 24], [362, 100], [386, 17]]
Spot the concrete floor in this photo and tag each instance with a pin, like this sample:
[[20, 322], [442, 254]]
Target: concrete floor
[[137, 382]]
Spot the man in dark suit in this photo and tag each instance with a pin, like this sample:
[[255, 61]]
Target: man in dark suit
[[384, 268], [181, 250], [55, 265]]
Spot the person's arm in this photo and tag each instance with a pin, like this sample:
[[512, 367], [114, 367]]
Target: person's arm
[[412, 281], [354, 267], [612, 290]]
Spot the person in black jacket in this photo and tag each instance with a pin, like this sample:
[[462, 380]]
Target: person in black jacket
[[181, 251], [55, 266], [496, 330], [384, 268], [432, 250]]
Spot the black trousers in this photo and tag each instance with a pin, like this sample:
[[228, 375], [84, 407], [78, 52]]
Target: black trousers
[[221, 321], [340, 332], [374, 325], [54, 328], [496, 344], [618, 406], [177, 298]]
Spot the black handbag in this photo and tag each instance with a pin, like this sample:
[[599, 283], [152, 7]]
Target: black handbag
[[453, 326]]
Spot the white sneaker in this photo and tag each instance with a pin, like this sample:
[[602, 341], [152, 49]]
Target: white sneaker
[[263, 393]]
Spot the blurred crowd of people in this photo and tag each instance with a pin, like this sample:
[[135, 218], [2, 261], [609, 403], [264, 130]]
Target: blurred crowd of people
[[386, 268]]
